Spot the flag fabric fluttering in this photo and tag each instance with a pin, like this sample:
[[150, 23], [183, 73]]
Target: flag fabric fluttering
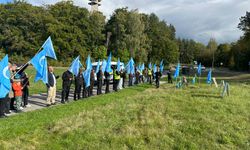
[[142, 67], [39, 62], [194, 80], [118, 65], [5, 85], [88, 63], [199, 69], [209, 77], [98, 67], [87, 72], [150, 66], [75, 66], [104, 64], [155, 68], [132, 66], [108, 65], [161, 66], [48, 47], [86, 75], [177, 71]]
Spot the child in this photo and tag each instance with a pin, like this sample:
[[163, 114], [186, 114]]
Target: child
[[17, 87]]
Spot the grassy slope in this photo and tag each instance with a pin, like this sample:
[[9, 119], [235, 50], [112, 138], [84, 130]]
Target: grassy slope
[[141, 117]]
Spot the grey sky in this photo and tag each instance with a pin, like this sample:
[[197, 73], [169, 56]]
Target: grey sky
[[196, 19]]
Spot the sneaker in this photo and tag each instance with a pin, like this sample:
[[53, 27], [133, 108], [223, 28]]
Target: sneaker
[[48, 105], [21, 108]]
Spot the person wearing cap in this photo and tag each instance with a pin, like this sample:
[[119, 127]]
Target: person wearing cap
[[17, 87], [51, 87]]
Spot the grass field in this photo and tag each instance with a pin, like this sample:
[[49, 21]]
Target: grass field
[[140, 117]]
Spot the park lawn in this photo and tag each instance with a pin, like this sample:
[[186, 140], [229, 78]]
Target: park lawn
[[40, 87], [140, 117]]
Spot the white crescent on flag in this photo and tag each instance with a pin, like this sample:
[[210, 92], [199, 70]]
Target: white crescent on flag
[[5, 72], [40, 60]]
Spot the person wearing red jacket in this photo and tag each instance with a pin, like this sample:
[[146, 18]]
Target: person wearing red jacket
[[17, 87]]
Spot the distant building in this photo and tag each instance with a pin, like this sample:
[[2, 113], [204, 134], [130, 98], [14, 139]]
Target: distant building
[[94, 5]]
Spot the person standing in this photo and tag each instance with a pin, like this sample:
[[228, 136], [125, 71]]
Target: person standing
[[150, 76], [157, 77], [169, 76], [51, 87], [117, 78], [78, 85], [107, 78], [99, 81], [17, 87], [123, 76], [25, 85], [67, 78], [92, 82], [130, 82]]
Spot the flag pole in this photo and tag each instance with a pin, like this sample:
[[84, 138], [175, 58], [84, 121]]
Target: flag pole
[[25, 64]]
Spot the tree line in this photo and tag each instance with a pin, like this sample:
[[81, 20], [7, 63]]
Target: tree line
[[127, 33]]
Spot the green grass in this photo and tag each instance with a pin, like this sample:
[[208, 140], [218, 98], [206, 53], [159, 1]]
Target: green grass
[[140, 117], [39, 87]]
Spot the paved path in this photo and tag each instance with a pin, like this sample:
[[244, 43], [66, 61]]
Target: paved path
[[38, 101]]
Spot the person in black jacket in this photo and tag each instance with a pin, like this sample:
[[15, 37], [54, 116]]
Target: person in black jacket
[[107, 78], [25, 84], [157, 77], [123, 76], [51, 86], [78, 85], [67, 81], [99, 81], [92, 82]]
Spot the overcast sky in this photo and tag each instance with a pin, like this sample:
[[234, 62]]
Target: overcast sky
[[196, 19]]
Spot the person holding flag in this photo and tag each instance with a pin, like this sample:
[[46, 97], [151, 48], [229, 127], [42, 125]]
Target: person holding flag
[[51, 87], [79, 82], [209, 77], [67, 78], [108, 72], [99, 80], [158, 75], [5, 85], [199, 71]]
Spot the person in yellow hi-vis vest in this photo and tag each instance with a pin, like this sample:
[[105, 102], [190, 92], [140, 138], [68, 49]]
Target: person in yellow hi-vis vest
[[150, 75], [117, 77]]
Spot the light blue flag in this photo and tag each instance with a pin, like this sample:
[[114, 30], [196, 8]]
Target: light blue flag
[[149, 66], [199, 70], [6, 1], [118, 65], [209, 77], [89, 63], [108, 66], [155, 68], [98, 67], [194, 80], [127, 67], [86, 75], [132, 66], [161, 66], [75, 66], [44, 75], [38, 61], [48, 47], [142, 67], [104, 64], [177, 71], [5, 85]]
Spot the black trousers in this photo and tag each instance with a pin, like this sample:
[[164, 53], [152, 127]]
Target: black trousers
[[123, 82], [77, 93], [107, 86], [25, 96], [65, 93], [116, 83], [99, 87], [84, 92], [150, 79], [2, 106], [157, 82], [130, 82]]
